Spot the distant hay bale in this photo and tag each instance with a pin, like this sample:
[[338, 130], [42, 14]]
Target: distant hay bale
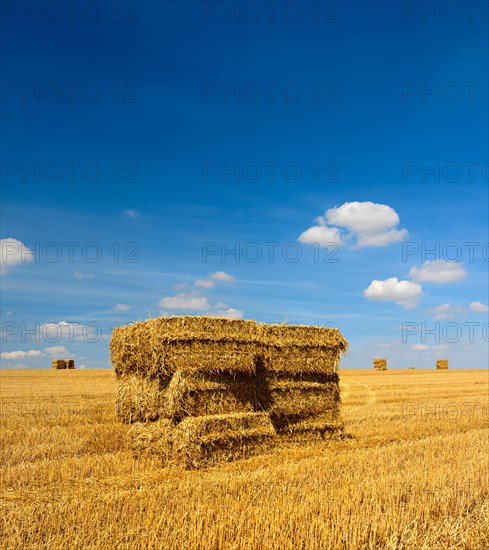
[[442, 364], [380, 364], [63, 364], [219, 389]]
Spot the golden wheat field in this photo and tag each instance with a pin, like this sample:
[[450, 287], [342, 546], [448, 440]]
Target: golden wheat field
[[412, 472]]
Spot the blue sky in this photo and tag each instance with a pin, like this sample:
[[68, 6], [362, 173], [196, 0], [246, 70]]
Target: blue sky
[[160, 138]]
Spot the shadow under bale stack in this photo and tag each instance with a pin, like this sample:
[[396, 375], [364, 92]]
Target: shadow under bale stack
[[206, 390]]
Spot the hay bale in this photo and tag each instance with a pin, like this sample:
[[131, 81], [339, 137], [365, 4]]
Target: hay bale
[[209, 357], [302, 396], [442, 364], [208, 440], [324, 426], [301, 360], [58, 364], [70, 363], [165, 345], [152, 438], [141, 399], [208, 393], [380, 364]]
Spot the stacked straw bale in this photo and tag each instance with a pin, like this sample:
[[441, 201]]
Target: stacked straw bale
[[380, 364], [203, 390], [442, 364], [63, 364]]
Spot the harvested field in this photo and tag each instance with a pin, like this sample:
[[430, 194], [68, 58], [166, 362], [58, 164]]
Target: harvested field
[[413, 472]]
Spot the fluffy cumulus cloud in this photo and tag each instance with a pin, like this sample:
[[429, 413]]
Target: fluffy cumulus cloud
[[204, 283], [185, 301], [222, 277], [229, 312], [13, 252], [196, 300], [131, 213], [404, 293], [438, 271], [359, 223], [478, 307], [79, 275], [121, 307], [445, 311], [21, 354], [321, 234], [56, 350]]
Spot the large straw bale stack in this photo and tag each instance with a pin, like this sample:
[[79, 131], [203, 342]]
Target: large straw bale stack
[[380, 364], [70, 363], [442, 364], [58, 364], [209, 390]]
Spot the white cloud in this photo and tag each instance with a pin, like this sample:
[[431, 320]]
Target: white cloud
[[438, 271], [83, 367], [79, 275], [131, 213], [367, 223], [56, 350], [184, 301], [221, 276], [21, 354], [404, 293], [204, 283], [230, 313], [321, 234], [478, 307], [420, 347], [121, 307], [445, 311], [13, 252]]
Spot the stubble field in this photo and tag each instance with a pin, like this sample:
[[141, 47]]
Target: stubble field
[[411, 473]]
